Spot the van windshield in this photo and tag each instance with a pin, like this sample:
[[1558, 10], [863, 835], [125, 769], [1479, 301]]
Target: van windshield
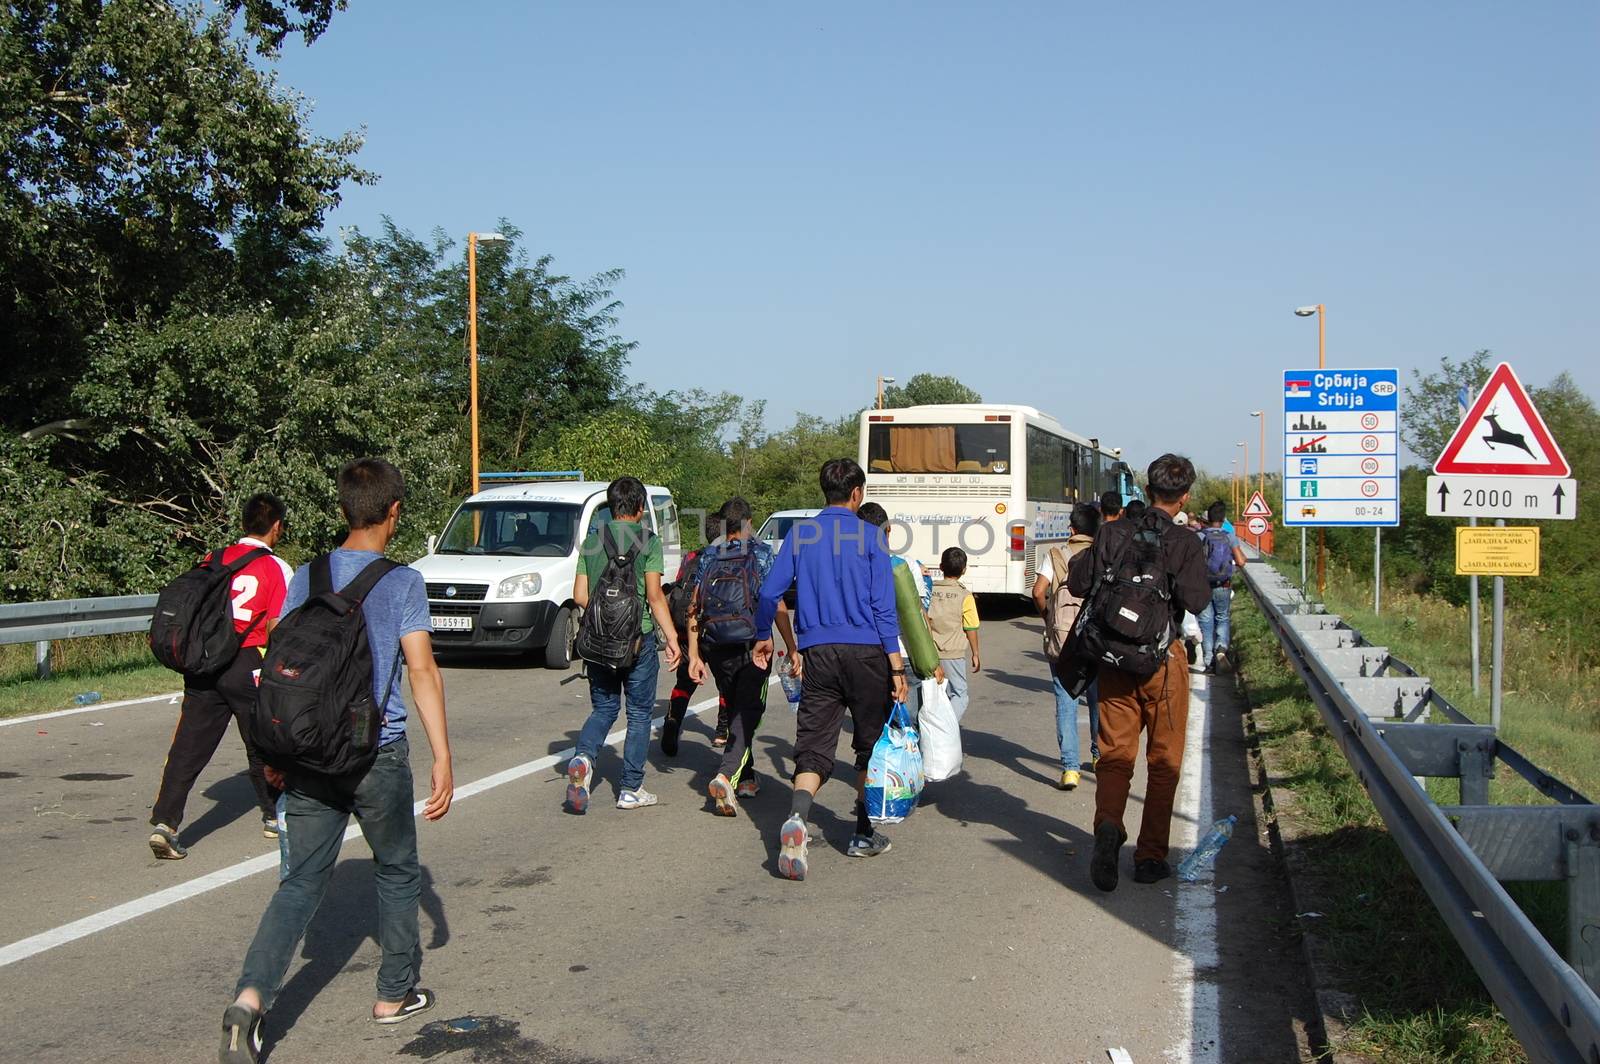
[[528, 529]]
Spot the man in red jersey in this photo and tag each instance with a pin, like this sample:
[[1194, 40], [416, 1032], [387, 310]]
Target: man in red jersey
[[257, 591]]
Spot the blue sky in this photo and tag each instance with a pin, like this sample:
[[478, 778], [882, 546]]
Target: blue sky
[[1106, 210]]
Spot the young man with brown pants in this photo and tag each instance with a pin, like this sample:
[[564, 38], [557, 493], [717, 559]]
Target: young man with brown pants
[[1157, 704]]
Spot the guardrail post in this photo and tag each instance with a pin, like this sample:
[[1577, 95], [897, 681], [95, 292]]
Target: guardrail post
[[1476, 768], [41, 659], [1583, 900]]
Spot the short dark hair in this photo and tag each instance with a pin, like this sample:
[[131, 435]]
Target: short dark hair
[[1217, 512], [1132, 511], [873, 514], [368, 487], [735, 514], [1085, 519], [626, 497], [713, 525], [261, 511], [953, 562], [1171, 476], [840, 477], [1110, 504]]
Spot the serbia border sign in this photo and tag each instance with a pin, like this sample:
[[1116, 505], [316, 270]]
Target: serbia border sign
[[1341, 447]]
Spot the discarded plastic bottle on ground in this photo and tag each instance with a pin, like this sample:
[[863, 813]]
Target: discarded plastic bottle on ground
[[786, 676], [88, 698], [1205, 851]]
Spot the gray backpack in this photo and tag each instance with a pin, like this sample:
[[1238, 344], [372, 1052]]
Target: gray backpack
[[1060, 605]]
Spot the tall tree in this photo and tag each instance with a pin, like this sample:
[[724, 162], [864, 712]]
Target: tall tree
[[927, 389], [140, 144], [1431, 410]]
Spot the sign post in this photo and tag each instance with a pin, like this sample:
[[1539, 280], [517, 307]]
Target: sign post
[[1463, 401], [1501, 462], [1341, 454]]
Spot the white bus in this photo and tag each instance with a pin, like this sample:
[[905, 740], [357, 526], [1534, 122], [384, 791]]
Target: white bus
[[998, 481]]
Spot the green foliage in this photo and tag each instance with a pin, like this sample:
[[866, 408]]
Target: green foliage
[[1431, 412], [928, 389], [138, 139], [611, 444]]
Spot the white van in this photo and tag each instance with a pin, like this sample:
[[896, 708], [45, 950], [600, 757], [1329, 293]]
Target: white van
[[500, 575]]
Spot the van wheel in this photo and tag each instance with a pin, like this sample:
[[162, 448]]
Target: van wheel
[[562, 648]]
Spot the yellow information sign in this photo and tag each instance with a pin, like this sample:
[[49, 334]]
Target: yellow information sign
[[1497, 551]]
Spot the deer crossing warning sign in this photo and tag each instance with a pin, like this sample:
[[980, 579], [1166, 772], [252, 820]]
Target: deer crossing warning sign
[[1503, 435]]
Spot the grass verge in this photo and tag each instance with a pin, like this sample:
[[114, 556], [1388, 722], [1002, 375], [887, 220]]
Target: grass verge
[[1551, 701], [1378, 936], [118, 666]]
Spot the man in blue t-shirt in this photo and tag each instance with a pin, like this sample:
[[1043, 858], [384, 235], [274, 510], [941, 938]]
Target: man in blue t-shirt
[[317, 810], [848, 627]]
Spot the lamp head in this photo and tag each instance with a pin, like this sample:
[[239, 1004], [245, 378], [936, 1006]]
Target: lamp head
[[887, 380], [499, 238], [1255, 413], [1305, 312]]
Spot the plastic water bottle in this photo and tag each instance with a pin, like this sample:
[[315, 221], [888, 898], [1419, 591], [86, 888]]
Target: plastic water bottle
[[1206, 852], [88, 698], [786, 676]]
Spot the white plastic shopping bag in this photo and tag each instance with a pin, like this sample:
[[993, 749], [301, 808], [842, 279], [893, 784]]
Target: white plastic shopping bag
[[940, 732]]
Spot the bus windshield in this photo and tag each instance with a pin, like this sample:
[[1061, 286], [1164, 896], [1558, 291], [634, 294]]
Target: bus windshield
[[982, 448], [531, 529]]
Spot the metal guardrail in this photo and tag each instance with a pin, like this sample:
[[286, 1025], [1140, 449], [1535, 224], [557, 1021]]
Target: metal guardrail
[[40, 623], [1375, 707]]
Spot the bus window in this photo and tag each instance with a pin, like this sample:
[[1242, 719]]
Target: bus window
[[939, 448], [1048, 474]]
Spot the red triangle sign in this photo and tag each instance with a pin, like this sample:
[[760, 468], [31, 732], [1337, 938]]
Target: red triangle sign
[[1257, 507], [1503, 435]]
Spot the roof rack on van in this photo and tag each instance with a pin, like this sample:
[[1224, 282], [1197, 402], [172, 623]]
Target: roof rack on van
[[532, 477]]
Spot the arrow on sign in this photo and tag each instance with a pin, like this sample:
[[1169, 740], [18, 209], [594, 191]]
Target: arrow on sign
[[1560, 494], [1444, 496]]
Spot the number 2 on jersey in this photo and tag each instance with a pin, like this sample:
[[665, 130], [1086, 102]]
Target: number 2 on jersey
[[245, 587]]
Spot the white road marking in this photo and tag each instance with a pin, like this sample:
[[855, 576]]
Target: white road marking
[[169, 697], [119, 914], [1194, 962]]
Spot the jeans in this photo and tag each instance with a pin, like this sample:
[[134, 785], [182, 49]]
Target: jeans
[[955, 674], [606, 687], [1215, 619], [382, 806], [1067, 723]]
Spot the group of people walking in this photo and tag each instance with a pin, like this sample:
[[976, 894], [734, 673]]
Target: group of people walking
[[828, 591]]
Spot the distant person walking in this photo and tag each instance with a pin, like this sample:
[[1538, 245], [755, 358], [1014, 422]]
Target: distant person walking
[[1110, 506], [848, 630], [679, 602], [625, 550], [953, 623], [722, 626], [1149, 546], [1059, 607], [257, 593], [1223, 559], [318, 808]]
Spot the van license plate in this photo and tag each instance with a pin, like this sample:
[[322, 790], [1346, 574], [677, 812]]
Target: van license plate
[[452, 624]]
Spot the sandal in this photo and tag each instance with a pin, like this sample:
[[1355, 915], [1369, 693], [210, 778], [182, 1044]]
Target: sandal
[[416, 1000]]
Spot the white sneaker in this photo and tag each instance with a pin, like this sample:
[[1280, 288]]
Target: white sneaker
[[637, 798]]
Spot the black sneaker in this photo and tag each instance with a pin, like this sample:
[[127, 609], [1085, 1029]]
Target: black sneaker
[[1151, 871], [1108, 840], [669, 734], [241, 1036], [1190, 649], [868, 845]]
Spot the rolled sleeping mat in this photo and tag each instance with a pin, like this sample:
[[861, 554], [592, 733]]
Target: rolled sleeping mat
[[913, 625]]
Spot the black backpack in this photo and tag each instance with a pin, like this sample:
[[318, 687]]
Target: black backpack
[[727, 596], [681, 594], [314, 710], [192, 629], [1126, 619], [610, 633]]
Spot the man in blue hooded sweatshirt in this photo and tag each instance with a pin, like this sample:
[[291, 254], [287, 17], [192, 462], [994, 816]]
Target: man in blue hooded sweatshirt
[[848, 633]]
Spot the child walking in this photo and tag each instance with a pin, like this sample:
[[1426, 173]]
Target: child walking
[[953, 622]]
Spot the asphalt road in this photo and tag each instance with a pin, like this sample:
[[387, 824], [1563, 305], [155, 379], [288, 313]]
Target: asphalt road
[[656, 935]]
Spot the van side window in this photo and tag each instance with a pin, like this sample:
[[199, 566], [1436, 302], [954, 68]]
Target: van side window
[[666, 515]]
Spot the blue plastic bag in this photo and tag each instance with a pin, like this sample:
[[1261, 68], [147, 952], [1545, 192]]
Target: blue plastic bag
[[894, 775]]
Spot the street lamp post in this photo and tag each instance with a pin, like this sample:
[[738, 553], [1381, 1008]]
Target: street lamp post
[[1261, 455], [1244, 465], [882, 380], [1321, 311], [1233, 483], [473, 240]]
